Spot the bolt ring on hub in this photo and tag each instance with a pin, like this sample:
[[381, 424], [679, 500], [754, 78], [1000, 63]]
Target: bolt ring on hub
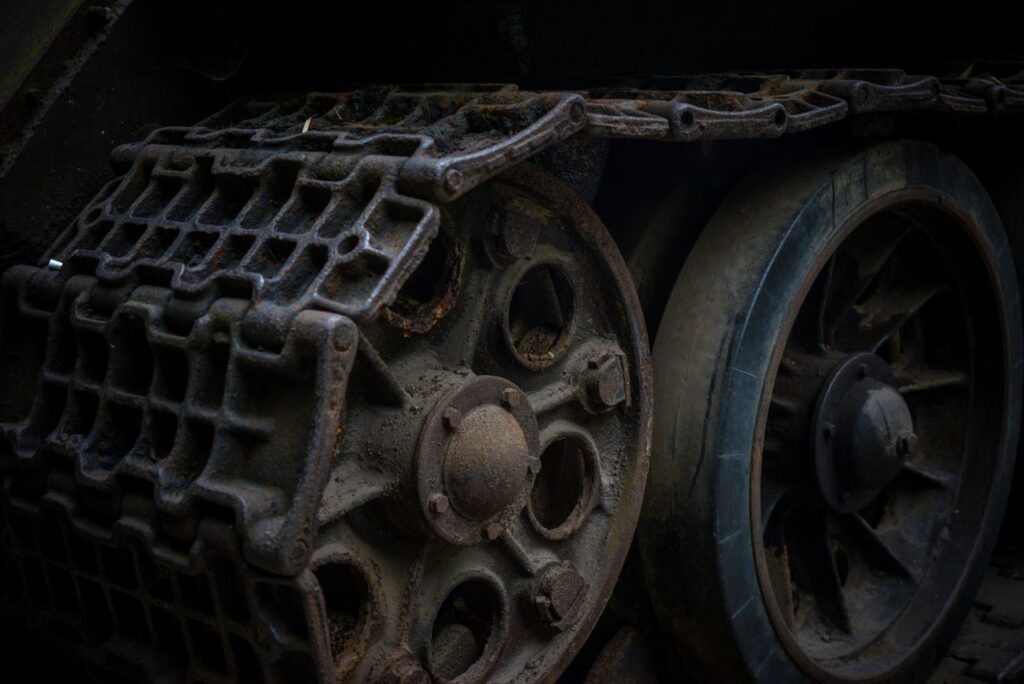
[[862, 432], [476, 458]]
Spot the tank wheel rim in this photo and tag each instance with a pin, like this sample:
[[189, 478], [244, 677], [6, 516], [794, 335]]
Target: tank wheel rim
[[886, 395], [496, 463], [826, 329]]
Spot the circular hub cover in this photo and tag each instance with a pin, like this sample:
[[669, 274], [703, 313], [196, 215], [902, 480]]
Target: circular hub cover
[[475, 460], [863, 432], [485, 464]]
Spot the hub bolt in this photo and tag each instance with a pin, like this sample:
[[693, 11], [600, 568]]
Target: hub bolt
[[510, 398], [606, 381], [560, 595], [492, 531], [451, 418], [438, 503], [906, 443]]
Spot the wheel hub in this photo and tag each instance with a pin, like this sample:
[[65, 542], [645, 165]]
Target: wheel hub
[[863, 432], [477, 456], [486, 461]]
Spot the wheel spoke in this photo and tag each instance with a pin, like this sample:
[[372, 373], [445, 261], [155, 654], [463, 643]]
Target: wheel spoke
[[550, 397], [813, 566], [350, 487], [467, 321], [852, 272], [921, 476], [877, 319], [786, 405], [519, 547], [778, 495], [889, 552], [924, 380]]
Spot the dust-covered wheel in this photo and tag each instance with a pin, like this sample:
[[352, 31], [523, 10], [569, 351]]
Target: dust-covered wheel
[[837, 408], [491, 477]]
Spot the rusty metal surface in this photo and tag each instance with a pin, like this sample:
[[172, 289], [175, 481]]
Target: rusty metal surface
[[233, 480], [135, 389], [748, 106]]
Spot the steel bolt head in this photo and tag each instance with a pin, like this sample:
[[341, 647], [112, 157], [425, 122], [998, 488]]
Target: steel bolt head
[[510, 397], [560, 595], [492, 531], [438, 503], [451, 418], [606, 381], [533, 465], [906, 443]]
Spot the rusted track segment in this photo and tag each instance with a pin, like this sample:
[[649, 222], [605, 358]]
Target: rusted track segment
[[737, 106]]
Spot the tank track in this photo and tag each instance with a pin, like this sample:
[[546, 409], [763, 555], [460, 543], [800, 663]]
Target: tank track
[[176, 371]]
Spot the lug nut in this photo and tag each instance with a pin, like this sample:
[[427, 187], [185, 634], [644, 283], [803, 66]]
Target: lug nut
[[606, 381], [451, 418], [906, 443], [560, 595], [492, 531], [510, 397], [533, 465], [438, 503]]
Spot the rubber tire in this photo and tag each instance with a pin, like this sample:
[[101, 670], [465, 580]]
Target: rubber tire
[[713, 352]]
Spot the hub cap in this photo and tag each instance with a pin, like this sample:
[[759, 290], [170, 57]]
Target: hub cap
[[863, 432], [476, 456]]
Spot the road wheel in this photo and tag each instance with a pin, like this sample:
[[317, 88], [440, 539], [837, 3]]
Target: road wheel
[[838, 388]]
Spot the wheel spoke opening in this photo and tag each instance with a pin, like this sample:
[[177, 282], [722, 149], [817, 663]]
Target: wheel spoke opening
[[465, 630]]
